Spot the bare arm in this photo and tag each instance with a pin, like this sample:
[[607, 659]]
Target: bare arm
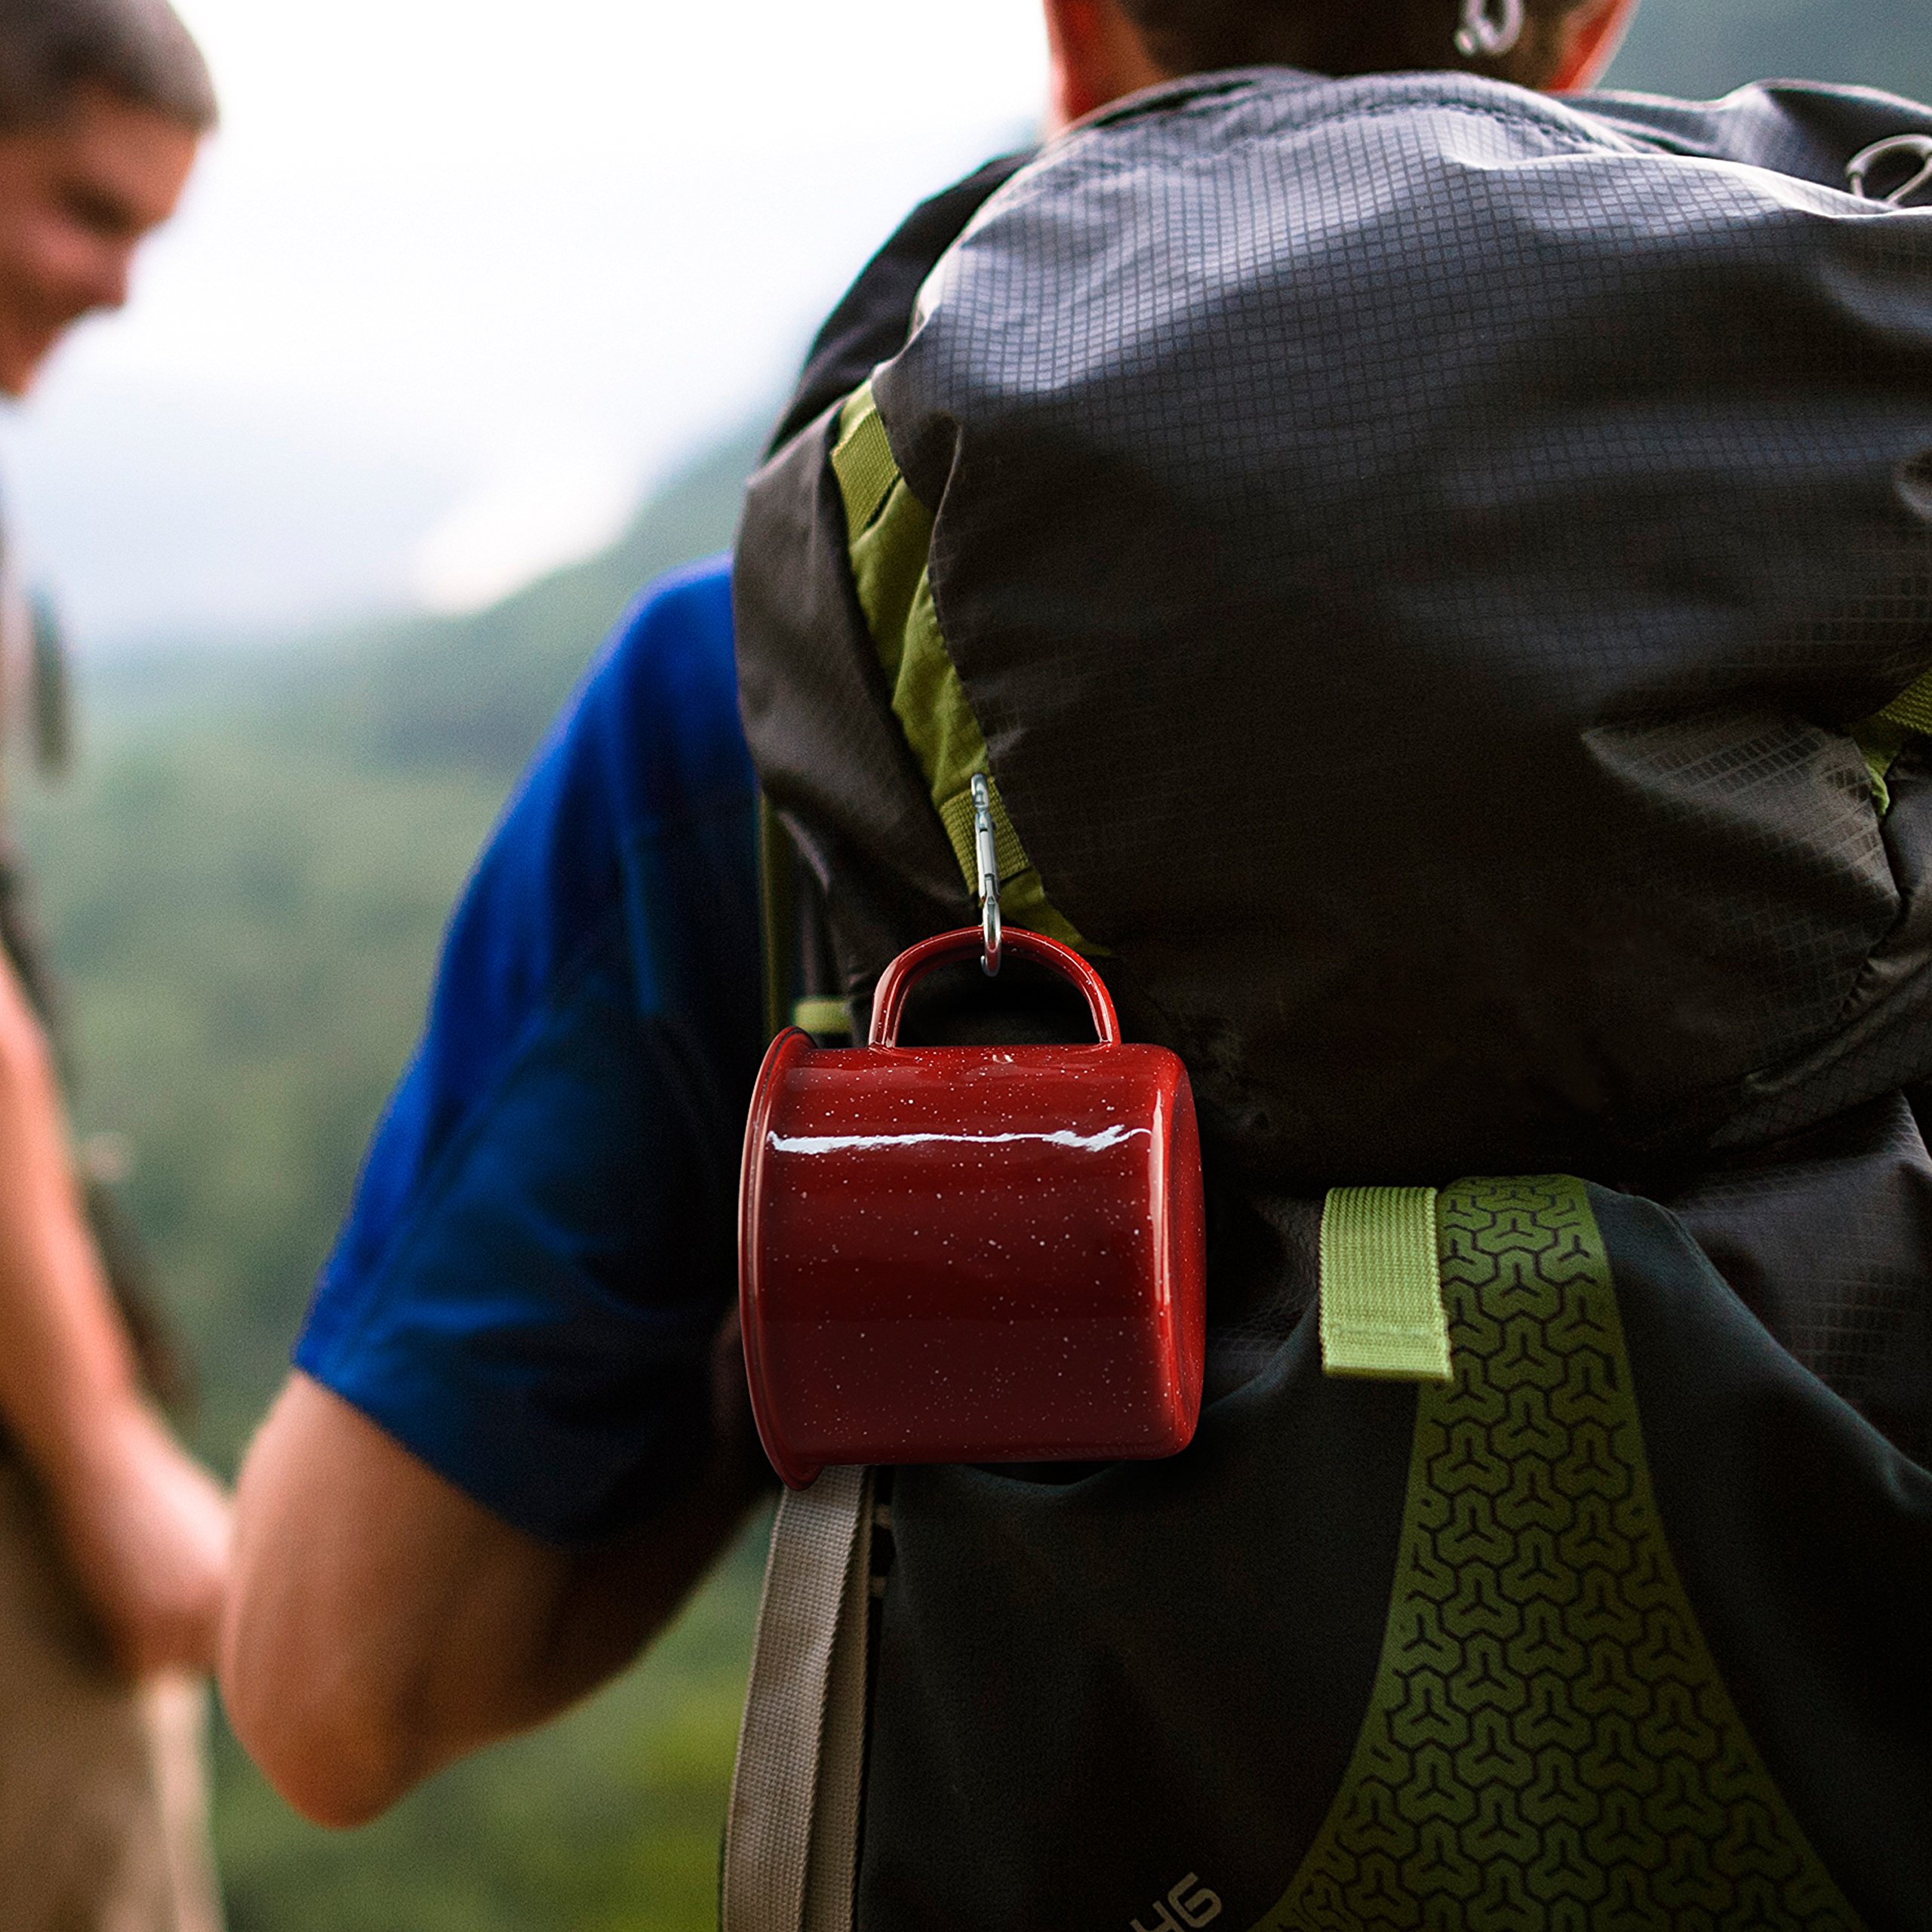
[[145, 1529], [382, 1624]]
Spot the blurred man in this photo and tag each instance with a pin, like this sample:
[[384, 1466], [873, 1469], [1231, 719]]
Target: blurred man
[[113, 1542]]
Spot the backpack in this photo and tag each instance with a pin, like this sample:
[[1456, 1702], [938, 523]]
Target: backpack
[[1599, 856]]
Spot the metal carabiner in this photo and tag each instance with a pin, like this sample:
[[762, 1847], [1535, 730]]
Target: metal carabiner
[[986, 853], [1898, 147]]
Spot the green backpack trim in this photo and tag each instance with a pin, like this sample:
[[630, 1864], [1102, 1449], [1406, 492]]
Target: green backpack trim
[[1881, 738], [1548, 1743], [889, 533]]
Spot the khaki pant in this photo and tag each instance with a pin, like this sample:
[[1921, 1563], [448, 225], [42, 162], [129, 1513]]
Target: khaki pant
[[103, 1806]]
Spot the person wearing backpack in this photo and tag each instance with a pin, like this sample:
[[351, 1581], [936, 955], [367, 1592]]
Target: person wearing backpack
[[1432, 583]]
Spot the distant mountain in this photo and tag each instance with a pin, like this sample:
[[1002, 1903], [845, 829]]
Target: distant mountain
[[477, 690], [1700, 48], [473, 692]]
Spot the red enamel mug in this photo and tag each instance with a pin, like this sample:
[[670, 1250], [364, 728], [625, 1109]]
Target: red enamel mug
[[972, 1254]]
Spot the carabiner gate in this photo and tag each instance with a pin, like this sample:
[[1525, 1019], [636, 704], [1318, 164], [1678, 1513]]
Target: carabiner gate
[[985, 852]]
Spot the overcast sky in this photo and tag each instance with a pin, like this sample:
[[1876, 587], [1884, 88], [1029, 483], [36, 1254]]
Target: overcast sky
[[460, 277]]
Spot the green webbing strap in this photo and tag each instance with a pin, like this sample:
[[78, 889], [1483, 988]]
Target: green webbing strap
[[778, 934], [1382, 1311], [864, 463], [1882, 737], [956, 815], [778, 916], [823, 1016]]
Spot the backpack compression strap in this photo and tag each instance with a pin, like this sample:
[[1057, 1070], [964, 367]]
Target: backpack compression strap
[[1382, 1315], [792, 1833]]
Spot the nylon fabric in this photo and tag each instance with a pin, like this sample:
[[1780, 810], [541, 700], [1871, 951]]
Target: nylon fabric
[[1803, 1538], [1549, 1739], [1382, 1308], [1266, 401], [870, 323], [1087, 1690], [1825, 1239], [890, 533]]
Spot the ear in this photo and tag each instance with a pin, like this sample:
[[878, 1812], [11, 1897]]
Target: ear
[[1097, 56], [1591, 38]]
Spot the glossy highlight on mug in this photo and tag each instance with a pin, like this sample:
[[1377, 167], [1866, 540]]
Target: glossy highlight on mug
[[843, 1143]]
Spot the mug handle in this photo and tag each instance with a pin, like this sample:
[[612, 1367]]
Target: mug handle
[[897, 980]]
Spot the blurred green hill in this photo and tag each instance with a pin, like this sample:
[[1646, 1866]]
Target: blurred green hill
[[246, 882]]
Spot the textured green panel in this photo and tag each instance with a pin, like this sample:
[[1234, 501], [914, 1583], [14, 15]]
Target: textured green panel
[[1549, 1744], [1381, 1312], [889, 532]]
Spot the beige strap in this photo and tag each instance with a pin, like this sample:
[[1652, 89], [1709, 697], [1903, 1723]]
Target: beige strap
[[791, 1835]]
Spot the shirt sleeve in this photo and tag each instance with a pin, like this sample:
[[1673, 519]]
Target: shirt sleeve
[[542, 1241]]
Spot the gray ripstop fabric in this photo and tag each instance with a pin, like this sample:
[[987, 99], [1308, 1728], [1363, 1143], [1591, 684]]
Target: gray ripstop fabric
[[1451, 532], [792, 1831], [1413, 547], [1416, 552]]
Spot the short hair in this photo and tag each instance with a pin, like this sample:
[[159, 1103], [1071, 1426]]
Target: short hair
[[1337, 37], [136, 49]]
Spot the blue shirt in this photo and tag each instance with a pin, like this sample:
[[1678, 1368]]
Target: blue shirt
[[543, 1239]]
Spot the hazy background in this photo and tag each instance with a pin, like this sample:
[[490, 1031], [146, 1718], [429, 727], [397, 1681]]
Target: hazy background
[[468, 292], [457, 282]]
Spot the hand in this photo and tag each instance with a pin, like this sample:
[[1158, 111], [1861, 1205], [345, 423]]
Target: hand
[[146, 1529]]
